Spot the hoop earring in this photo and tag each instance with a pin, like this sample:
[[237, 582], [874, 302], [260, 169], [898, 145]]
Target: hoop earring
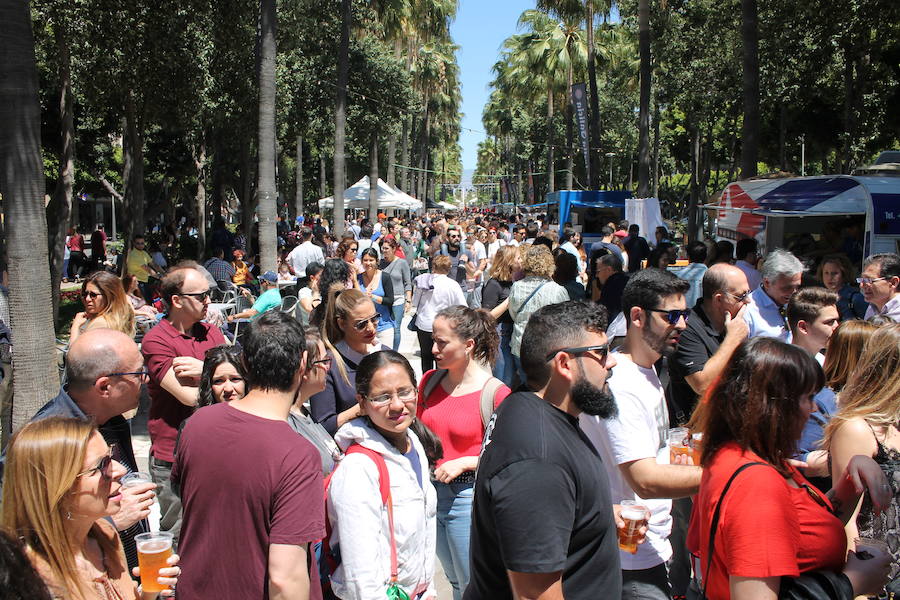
[[68, 515]]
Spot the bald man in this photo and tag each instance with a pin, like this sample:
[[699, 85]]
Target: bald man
[[104, 376]]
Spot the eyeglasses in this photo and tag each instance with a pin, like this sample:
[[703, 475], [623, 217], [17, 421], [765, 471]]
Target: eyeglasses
[[602, 351], [326, 362], [91, 295], [453, 237], [363, 323], [104, 466], [143, 373], [201, 296], [745, 297], [354, 248], [869, 280], [673, 316], [405, 395]]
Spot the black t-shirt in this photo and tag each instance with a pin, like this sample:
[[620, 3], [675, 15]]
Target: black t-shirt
[[541, 505], [493, 294], [638, 249], [611, 293], [696, 345]]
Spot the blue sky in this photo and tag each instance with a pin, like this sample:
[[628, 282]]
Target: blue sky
[[479, 29]]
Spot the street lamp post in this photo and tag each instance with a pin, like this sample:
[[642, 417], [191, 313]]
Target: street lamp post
[[610, 156]]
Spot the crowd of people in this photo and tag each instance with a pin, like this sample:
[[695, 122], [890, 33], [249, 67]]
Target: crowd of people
[[747, 405]]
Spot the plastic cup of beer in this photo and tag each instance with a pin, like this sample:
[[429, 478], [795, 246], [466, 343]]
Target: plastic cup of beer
[[634, 515], [679, 442], [696, 447], [135, 478], [154, 549]]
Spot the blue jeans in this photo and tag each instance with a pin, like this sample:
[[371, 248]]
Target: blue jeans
[[397, 313], [504, 369], [454, 519], [646, 584]]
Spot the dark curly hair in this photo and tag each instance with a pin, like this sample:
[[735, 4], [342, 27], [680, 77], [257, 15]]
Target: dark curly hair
[[215, 357]]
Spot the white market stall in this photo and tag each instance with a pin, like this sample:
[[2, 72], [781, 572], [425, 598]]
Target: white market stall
[[357, 197]]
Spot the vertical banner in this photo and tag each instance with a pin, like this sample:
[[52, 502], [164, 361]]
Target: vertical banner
[[579, 101]]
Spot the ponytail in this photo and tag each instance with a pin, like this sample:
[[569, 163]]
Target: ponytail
[[477, 325]]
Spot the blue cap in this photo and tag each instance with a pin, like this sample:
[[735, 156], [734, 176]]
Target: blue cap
[[269, 276]]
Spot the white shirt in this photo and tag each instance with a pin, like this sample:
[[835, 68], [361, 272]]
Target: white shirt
[[431, 294], [754, 279], [304, 254], [891, 309], [363, 244], [639, 431]]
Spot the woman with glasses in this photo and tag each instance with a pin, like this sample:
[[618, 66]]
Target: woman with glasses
[[318, 363], [380, 289], [773, 524], [349, 330], [465, 347], [386, 395], [835, 273], [105, 306], [61, 484], [397, 270], [867, 423]]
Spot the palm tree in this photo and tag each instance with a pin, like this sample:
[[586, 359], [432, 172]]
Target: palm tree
[[644, 115], [340, 117], [35, 378], [267, 194], [750, 129]]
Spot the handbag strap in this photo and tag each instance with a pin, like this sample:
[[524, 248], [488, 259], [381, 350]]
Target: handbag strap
[[531, 295], [714, 524], [488, 395]]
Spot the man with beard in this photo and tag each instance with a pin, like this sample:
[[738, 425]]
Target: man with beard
[[542, 520], [633, 444], [461, 258]]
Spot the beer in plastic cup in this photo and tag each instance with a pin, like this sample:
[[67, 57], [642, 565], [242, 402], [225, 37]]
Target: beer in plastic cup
[[135, 478], [697, 447], [634, 515], [154, 549], [679, 442]]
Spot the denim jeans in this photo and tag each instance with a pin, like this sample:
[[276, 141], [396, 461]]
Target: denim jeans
[[397, 313], [454, 519], [504, 369], [646, 584]]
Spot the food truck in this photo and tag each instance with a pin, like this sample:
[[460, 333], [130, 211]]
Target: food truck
[[779, 212]]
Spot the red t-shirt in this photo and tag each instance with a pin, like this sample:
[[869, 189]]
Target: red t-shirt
[[456, 420], [246, 482], [767, 528], [162, 344]]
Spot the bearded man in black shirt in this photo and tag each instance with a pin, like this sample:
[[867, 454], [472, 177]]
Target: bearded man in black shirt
[[542, 520]]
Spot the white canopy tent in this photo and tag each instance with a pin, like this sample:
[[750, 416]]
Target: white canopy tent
[[357, 197]]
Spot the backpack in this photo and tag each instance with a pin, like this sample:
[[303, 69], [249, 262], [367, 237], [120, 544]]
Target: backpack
[[488, 392], [330, 558]]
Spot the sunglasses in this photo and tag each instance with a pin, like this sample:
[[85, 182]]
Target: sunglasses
[[673, 316], [869, 280], [201, 296], [104, 466], [363, 323], [602, 351], [740, 298], [325, 362], [91, 295], [354, 248]]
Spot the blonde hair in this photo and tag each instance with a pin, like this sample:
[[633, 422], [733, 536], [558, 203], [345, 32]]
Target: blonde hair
[[873, 390], [844, 349], [42, 465], [340, 302], [117, 311], [539, 262]]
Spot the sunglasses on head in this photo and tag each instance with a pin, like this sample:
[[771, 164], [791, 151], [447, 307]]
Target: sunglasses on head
[[673, 316], [363, 323]]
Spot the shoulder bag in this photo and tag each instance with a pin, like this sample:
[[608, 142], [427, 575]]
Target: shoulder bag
[[815, 585]]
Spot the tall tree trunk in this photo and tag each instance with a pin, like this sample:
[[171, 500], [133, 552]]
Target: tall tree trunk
[[551, 167], [35, 375], [323, 179], [391, 158], [750, 131], [643, 190], [265, 188], [373, 178], [782, 135], [655, 178], [570, 141], [59, 210], [404, 156], [340, 118], [595, 99], [218, 177], [298, 179], [693, 203], [200, 197], [134, 190]]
